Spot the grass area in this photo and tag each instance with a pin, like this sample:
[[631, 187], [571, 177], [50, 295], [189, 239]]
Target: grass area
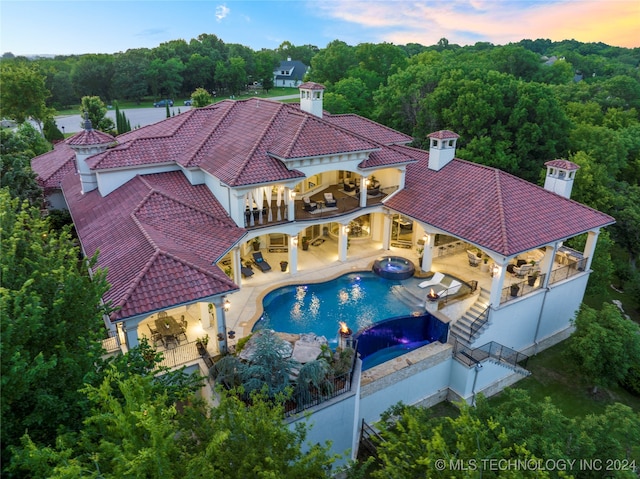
[[148, 102], [558, 378]]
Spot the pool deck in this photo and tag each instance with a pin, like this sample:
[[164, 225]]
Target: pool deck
[[320, 263]]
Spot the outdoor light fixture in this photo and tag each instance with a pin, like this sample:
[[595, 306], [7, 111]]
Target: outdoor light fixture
[[346, 230], [495, 271], [367, 182], [227, 304], [293, 195], [294, 241], [425, 238]]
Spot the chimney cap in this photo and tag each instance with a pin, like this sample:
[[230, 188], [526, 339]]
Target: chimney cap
[[443, 135], [311, 86], [563, 164]]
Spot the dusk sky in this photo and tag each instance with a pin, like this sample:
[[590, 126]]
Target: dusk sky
[[75, 27]]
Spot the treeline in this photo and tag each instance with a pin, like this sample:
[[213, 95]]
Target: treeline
[[172, 69]]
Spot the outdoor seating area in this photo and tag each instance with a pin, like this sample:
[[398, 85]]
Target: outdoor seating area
[[260, 262], [168, 331]]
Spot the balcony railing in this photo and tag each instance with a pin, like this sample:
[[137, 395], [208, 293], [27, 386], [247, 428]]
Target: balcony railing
[[112, 343], [526, 286], [182, 354], [564, 272], [473, 356]]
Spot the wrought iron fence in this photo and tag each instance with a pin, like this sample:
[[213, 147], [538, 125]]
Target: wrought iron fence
[[526, 286], [472, 356], [564, 272], [480, 321]]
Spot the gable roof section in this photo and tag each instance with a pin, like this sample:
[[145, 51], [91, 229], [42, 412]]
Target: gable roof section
[[368, 129], [296, 70], [239, 142], [491, 208], [54, 165], [158, 237]]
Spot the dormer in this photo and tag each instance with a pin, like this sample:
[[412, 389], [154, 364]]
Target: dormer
[[87, 143], [560, 176], [442, 148], [311, 98]]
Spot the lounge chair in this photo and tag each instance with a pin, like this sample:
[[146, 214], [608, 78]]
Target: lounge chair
[[329, 200], [474, 259], [450, 285], [308, 204], [435, 279], [260, 262], [246, 271]]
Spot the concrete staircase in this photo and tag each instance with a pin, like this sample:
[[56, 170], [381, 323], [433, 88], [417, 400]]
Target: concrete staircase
[[461, 328]]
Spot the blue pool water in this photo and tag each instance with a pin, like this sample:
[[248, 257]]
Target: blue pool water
[[358, 299]]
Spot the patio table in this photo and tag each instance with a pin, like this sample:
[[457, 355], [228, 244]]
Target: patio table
[[168, 326]]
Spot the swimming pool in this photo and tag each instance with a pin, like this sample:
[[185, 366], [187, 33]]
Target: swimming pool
[[358, 299]]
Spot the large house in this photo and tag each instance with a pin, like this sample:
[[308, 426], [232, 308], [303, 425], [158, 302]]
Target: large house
[[290, 73], [178, 210]]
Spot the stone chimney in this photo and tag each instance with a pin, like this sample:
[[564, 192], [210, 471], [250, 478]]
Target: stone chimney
[[87, 143], [560, 176], [442, 148], [311, 98]]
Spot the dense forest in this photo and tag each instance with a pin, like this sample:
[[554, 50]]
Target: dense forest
[[514, 106]]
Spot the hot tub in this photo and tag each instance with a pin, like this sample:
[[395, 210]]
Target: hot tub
[[394, 267]]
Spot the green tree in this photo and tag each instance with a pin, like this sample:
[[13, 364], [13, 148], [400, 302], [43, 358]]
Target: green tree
[[165, 77], [16, 151], [198, 72], [605, 345], [330, 65], [266, 61], [201, 98], [62, 95], [50, 320], [23, 94], [92, 76], [129, 75], [96, 111]]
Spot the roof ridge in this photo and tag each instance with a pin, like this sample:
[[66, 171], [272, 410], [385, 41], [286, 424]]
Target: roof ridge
[[198, 268], [368, 120], [247, 159], [503, 230], [213, 131]]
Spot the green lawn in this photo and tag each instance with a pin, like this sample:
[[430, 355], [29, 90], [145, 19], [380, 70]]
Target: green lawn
[[148, 102], [557, 377]]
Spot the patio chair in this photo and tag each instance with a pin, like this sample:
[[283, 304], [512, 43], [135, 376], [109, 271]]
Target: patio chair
[[163, 314], [435, 279], [246, 271], [155, 335], [308, 204], [474, 260], [260, 262], [451, 287], [329, 200], [522, 271]]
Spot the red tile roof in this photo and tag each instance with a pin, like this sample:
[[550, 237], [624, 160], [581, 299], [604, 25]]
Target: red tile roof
[[311, 86], [238, 141], [54, 165], [564, 164], [368, 129], [443, 135], [158, 237], [491, 208], [90, 137]]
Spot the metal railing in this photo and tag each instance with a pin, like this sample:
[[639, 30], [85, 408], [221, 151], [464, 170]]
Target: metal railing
[[564, 272], [521, 288], [182, 354], [112, 343], [340, 385], [473, 356], [478, 323]]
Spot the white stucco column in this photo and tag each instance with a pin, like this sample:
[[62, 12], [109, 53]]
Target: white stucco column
[[293, 254], [220, 324], [343, 239], [402, 177], [497, 283], [590, 247], [427, 254], [131, 333], [237, 207], [363, 192], [386, 232], [236, 264], [546, 265], [291, 204]]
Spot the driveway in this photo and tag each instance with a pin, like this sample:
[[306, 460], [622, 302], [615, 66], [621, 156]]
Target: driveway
[[137, 116]]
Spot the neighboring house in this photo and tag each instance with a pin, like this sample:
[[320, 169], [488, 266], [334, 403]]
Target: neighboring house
[[290, 73], [176, 209]]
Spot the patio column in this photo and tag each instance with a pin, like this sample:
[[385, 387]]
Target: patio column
[[237, 203], [293, 254], [236, 264], [546, 265], [343, 239], [590, 247], [386, 232], [363, 191], [427, 254], [205, 316], [221, 324], [291, 204], [497, 283], [130, 329]]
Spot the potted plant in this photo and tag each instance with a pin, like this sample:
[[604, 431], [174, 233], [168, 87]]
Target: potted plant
[[531, 279], [228, 271], [514, 289], [283, 266], [201, 344], [484, 267], [305, 243], [420, 250], [256, 243]]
